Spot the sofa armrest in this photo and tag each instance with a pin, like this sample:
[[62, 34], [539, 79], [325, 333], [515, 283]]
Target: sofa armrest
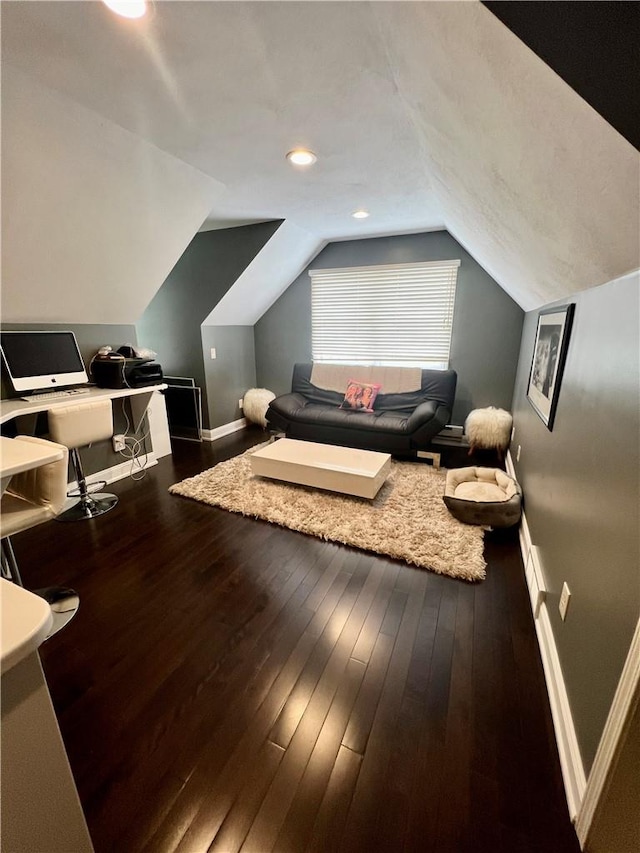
[[426, 421], [288, 404], [422, 414]]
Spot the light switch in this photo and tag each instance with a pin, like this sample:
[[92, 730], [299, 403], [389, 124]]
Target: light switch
[[565, 598]]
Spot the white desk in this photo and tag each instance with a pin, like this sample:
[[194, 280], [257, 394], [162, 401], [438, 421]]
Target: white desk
[[18, 456], [26, 620], [40, 809], [139, 397]]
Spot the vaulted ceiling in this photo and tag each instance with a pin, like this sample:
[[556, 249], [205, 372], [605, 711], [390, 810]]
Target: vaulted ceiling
[[122, 138]]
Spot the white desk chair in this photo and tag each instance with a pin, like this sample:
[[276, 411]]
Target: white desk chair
[[33, 497], [77, 425]]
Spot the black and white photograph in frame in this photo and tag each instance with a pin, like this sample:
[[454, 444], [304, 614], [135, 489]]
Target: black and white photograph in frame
[[549, 353]]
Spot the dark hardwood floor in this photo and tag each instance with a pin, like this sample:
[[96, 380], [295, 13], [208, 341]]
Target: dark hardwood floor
[[230, 685]]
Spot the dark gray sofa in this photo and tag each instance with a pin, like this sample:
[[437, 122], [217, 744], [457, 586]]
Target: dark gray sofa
[[400, 423]]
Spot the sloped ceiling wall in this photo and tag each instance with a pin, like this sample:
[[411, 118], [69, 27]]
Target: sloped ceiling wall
[[94, 217], [171, 324], [260, 285], [592, 46], [539, 188]]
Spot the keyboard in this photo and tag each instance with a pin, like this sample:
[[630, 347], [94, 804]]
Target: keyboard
[[55, 395]]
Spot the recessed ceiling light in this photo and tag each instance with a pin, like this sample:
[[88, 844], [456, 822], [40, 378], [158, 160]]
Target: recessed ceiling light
[[301, 157], [127, 8], [360, 214]]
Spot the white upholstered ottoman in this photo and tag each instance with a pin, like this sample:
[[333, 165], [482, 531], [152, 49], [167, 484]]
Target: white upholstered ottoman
[[489, 429], [255, 404]]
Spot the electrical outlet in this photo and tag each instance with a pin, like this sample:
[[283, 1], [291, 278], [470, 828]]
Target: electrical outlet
[[518, 454], [565, 598], [241, 403], [213, 352], [119, 443]]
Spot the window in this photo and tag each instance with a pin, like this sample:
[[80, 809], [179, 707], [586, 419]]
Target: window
[[399, 314]]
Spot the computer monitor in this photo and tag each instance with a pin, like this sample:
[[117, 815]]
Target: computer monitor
[[37, 360]]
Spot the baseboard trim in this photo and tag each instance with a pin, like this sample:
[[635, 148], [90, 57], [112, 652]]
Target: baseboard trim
[[625, 701], [225, 429], [110, 475], [573, 774]]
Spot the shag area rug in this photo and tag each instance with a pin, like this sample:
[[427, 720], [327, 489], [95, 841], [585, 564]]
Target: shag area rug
[[407, 520]]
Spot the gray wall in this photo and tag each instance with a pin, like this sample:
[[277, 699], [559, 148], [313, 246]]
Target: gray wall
[[580, 484], [486, 328], [231, 373], [90, 338], [210, 265]]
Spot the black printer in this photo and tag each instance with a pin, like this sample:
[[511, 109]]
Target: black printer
[[114, 371]]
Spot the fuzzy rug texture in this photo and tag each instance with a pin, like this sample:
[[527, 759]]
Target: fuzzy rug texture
[[407, 520]]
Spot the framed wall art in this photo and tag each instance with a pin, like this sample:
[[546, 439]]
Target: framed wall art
[[549, 354]]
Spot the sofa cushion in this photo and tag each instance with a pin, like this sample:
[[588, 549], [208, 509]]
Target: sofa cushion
[[331, 416]]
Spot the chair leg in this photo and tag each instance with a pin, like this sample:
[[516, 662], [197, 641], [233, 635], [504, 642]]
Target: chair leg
[[10, 569], [89, 506]]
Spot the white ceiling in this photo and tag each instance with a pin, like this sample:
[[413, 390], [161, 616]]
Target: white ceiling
[[428, 114], [230, 87]]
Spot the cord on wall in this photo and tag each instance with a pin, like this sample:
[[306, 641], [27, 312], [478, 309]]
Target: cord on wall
[[132, 448]]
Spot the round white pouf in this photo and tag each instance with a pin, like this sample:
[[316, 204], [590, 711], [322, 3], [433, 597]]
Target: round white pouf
[[489, 429], [255, 404]]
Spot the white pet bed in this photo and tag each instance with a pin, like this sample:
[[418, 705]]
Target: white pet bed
[[484, 496]]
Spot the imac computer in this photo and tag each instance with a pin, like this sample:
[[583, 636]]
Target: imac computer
[[42, 360]]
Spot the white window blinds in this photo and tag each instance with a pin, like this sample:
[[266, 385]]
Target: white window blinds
[[395, 314]]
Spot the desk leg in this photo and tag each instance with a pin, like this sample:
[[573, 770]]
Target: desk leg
[[159, 426], [153, 405], [139, 404]]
